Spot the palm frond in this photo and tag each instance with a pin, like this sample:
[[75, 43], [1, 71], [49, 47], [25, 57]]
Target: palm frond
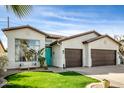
[[19, 10]]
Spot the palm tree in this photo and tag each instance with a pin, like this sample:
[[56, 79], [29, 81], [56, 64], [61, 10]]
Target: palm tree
[[19, 10]]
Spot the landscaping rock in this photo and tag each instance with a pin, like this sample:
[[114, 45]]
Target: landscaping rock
[[103, 84], [106, 83], [3, 82], [95, 85]]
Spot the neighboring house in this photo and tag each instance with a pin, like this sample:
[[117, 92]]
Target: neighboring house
[[2, 49], [85, 49]]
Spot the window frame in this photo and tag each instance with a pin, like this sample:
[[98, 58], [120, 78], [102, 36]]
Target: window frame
[[29, 44]]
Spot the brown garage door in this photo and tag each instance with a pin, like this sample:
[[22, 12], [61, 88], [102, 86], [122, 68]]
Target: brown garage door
[[103, 57], [73, 57]]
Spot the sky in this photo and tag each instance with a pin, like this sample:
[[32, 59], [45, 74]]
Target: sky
[[68, 20]]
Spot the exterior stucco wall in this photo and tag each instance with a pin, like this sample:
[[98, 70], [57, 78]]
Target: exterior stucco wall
[[104, 43], [56, 56], [21, 34], [87, 62], [76, 43]]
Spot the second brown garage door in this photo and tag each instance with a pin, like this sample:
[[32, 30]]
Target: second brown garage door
[[73, 57], [103, 57]]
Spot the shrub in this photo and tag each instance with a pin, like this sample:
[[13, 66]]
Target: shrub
[[106, 83], [3, 61]]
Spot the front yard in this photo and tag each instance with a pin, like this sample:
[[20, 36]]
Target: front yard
[[48, 80]]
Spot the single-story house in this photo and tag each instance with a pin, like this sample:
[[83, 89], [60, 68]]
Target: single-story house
[[85, 49], [2, 49]]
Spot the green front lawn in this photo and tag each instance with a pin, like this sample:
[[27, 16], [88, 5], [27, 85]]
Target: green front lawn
[[48, 80]]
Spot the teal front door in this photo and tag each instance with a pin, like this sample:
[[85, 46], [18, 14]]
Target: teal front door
[[48, 56]]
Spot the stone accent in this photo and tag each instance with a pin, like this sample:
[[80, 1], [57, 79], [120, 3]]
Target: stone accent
[[96, 85]]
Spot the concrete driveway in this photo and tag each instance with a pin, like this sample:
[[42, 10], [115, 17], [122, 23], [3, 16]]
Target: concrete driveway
[[115, 74]]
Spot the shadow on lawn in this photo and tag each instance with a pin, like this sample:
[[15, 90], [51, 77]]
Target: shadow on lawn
[[16, 86], [16, 77], [70, 73]]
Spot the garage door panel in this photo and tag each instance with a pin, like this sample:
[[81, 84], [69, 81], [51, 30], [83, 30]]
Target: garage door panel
[[103, 57], [73, 57], [99, 63]]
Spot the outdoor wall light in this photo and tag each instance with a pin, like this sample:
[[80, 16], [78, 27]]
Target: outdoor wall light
[[34, 64], [64, 66], [20, 65], [63, 51]]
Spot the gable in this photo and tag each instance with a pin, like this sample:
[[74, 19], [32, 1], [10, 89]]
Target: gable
[[18, 28], [23, 27], [77, 42], [104, 43], [24, 33], [79, 35], [100, 37]]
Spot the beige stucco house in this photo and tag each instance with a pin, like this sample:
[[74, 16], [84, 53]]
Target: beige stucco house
[[85, 49], [2, 49]]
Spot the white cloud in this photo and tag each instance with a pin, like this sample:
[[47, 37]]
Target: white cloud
[[72, 28], [67, 32], [80, 17], [62, 16], [73, 22]]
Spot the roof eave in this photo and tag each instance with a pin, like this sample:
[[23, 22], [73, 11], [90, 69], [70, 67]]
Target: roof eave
[[86, 42], [85, 33], [54, 43], [24, 26]]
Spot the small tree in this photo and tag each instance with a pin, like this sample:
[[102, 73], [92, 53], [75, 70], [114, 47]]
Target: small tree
[[42, 59]]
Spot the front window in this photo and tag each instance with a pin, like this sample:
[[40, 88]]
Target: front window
[[26, 50]]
